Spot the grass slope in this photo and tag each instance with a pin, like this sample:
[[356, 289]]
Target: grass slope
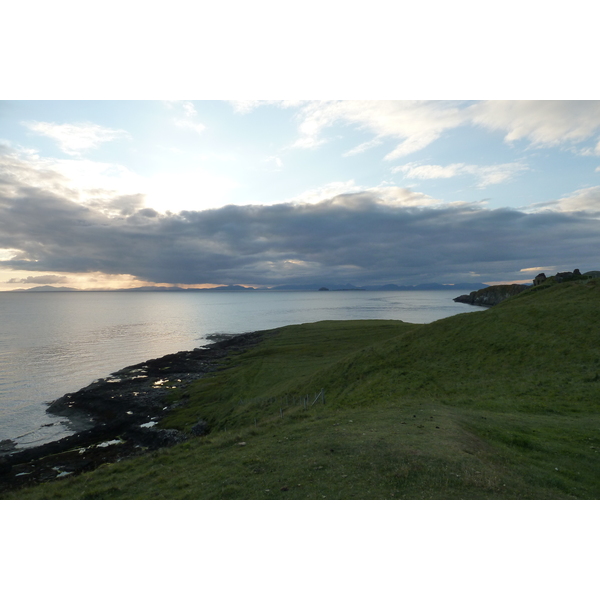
[[502, 403]]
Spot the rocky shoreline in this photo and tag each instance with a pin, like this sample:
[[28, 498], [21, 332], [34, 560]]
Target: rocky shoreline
[[117, 416], [492, 295]]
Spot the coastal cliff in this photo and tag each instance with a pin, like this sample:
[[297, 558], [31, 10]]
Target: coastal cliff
[[492, 295]]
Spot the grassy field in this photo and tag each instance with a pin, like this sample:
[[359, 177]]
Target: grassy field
[[498, 404]]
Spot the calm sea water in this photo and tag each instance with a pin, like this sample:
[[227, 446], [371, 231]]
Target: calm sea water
[[55, 343]]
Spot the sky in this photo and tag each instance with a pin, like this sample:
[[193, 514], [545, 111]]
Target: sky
[[106, 181], [261, 193]]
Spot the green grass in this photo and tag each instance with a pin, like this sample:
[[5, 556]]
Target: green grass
[[502, 403]]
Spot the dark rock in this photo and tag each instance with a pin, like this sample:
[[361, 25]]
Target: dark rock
[[7, 446], [5, 466], [568, 276], [200, 428], [154, 438], [565, 276]]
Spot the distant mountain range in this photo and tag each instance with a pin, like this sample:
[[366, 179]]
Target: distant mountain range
[[387, 287], [147, 288], [430, 286], [46, 288], [286, 287]]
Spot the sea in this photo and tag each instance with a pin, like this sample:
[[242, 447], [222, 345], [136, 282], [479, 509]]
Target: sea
[[53, 343]]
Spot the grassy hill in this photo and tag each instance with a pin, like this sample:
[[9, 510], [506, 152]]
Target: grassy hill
[[502, 403]]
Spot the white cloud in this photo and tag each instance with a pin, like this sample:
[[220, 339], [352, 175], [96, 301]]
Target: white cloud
[[247, 106], [76, 138], [8, 253], [487, 174], [274, 163], [538, 269], [416, 123], [98, 184], [399, 196], [189, 124], [362, 147], [345, 191], [189, 110], [591, 151], [417, 171], [82, 180], [542, 122], [585, 199], [329, 190], [493, 174], [189, 113]]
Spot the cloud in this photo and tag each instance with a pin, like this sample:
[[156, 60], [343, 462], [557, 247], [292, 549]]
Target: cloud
[[273, 163], [189, 109], [329, 190], [76, 138], [416, 123], [537, 269], [189, 124], [363, 147], [385, 234], [95, 183], [487, 174], [399, 196], [585, 199], [541, 122], [341, 191], [40, 279], [417, 171], [189, 113], [247, 106]]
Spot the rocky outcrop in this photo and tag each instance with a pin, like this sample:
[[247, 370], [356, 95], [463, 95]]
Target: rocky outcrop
[[567, 276], [490, 296], [200, 428]]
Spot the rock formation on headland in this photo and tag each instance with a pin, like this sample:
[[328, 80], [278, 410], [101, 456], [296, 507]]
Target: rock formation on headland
[[490, 296], [494, 294]]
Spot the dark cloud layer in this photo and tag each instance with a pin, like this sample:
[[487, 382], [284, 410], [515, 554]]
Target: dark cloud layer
[[47, 279], [354, 238]]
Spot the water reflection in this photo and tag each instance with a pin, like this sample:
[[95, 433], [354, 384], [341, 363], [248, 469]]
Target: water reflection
[[56, 343]]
